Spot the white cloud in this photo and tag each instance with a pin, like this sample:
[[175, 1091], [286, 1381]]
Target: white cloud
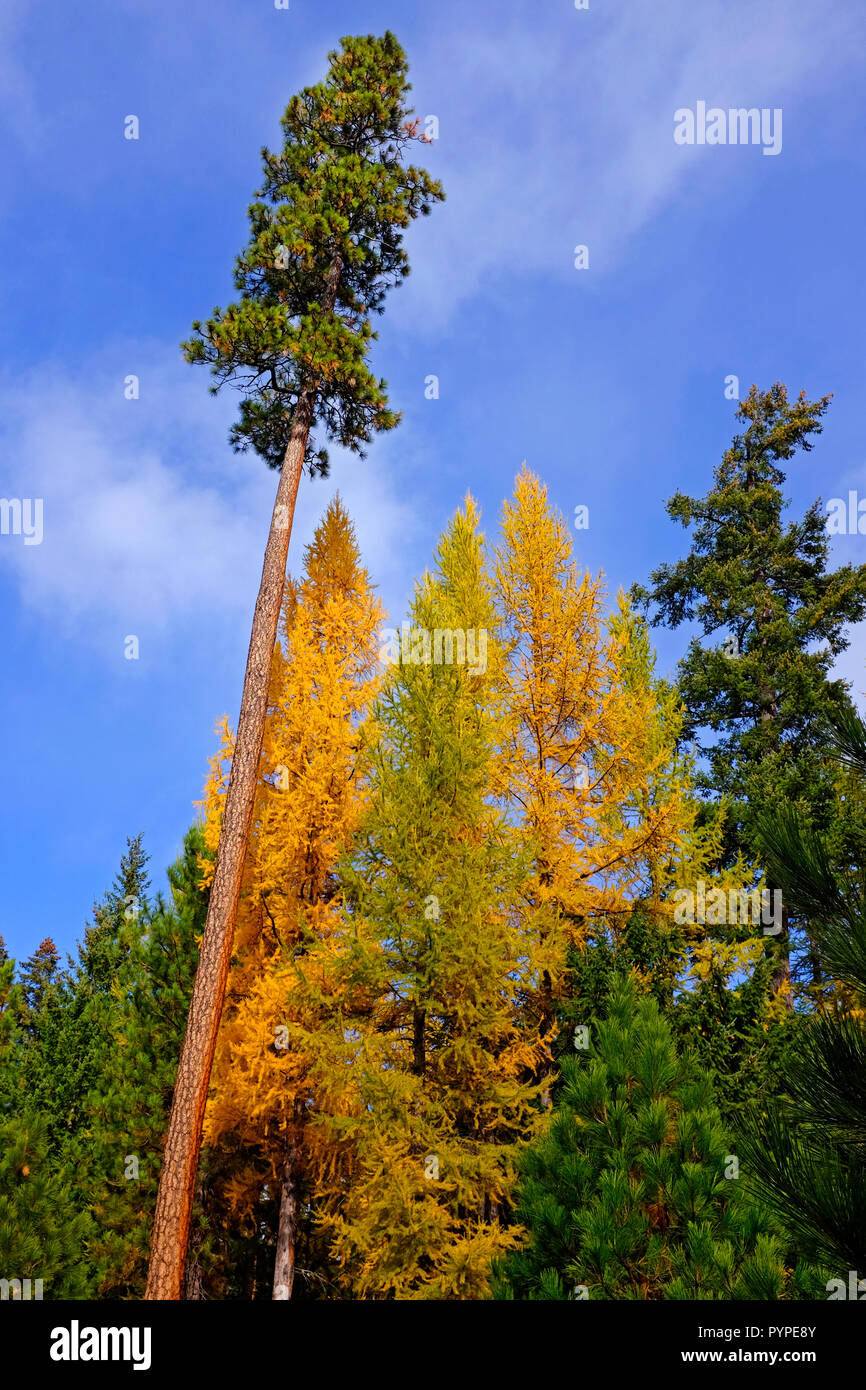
[[148, 516], [557, 129]]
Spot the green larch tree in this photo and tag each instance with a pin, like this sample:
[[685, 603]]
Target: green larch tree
[[423, 1052]]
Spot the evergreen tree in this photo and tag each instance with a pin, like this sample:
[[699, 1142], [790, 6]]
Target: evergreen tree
[[39, 975], [129, 1091], [632, 1191], [755, 700], [67, 1059], [72, 1019], [325, 246], [809, 1144], [43, 1231], [716, 1004], [105, 944]]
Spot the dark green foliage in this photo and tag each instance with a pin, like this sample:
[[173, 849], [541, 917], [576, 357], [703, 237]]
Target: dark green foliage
[[38, 976], [625, 1196], [68, 1024], [130, 1105], [722, 1022], [105, 945], [87, 1080], [656, 948], [810, 1146], [755, 700], [76, 1016], [43, 1232]]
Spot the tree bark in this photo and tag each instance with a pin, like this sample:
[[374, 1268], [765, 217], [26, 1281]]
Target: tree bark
[[419, 1054], [287, 1234], [194, 1284], [193, 1277], [180, 1161]]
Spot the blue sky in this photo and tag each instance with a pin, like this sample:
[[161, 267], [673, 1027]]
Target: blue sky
[[555, 129]]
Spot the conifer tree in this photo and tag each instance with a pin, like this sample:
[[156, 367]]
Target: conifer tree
[[422, 1051], [760, 591], [105, 943], [73, 1027], [323, 679], [714, 995], [325, 246], [67, 1058], [39, 974], [632, 1191], [43, 1230], [130, 1097], [710, 977], [809, 1142]]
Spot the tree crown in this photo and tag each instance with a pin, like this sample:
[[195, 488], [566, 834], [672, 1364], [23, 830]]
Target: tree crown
[[326, 232]]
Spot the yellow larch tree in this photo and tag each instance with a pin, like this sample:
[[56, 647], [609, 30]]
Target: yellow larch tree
[[325, 673], [586, 767]]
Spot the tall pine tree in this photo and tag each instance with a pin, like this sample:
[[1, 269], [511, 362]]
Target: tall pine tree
[[326, 233]]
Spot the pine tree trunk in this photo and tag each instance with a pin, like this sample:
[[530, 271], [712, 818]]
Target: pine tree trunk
[[180, 1161], [193, 1279], [287, 1233]]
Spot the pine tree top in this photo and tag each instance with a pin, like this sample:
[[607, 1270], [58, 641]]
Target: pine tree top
[[326, 232]]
